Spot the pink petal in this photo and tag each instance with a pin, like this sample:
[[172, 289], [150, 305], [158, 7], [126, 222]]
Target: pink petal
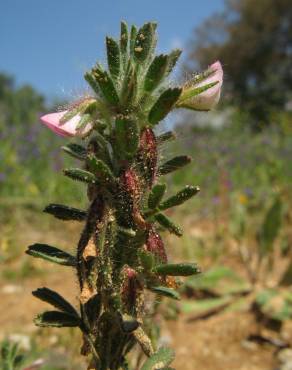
[[210, 97], [68, 129]]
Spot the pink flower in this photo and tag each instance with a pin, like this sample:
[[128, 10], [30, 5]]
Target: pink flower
[[69, 128], [195, 97]]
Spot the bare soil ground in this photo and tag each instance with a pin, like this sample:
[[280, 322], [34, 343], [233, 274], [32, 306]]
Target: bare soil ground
[[216, 343]]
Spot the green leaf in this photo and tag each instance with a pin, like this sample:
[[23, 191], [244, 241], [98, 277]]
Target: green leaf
[[181, 197], [19, 360], [80, 175], [144, 42], [66, 213], [174, 164], [106, 85], [156, 72], [113, 57], [124, 39], [264, 296], [218, 280], [275, 304], [167, 292], [164, 105], [53, 298], [177, 269], [134, 31], [271, 226], [172, 60], [127, 136], [100, 147], [156, 195], [5, 349], [91, 80], [75, 150], [191, 93], [6, 352], [56, 319], [205, 305], [147, 259], [163, 357], [51, 254], [199, 77], [168, 224], [165, 137], [101, 170], [129, 86], [92, 309]]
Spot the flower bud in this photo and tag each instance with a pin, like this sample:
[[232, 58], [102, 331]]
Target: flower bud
[[76, 121], [202, 93]]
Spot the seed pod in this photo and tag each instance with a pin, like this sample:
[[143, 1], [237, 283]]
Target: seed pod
[[131, 185], [155, 245], [147, 155], [130, 288]]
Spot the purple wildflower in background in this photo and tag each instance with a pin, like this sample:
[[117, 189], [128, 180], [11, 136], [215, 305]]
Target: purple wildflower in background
[[2, 176], [216, 200], [249, 192]]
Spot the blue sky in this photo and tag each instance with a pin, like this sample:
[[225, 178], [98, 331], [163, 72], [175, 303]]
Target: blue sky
[[50, 43]]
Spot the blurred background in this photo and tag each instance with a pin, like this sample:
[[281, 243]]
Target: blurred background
[[237, 315]]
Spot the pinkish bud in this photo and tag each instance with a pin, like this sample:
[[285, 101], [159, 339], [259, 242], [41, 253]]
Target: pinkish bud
[[69, 128], [191, 96], [148, 154], [155, 245], [130, 183], [130, 288]]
